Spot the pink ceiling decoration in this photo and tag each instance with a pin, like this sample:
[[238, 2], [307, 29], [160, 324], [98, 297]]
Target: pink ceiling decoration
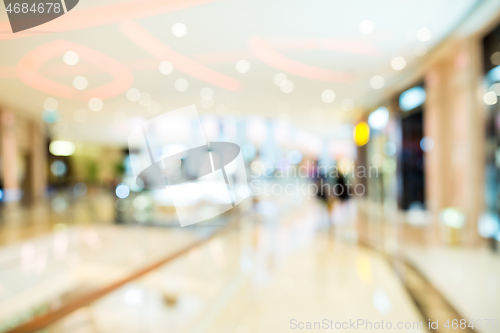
[[160, 51], [263, 50], [102, 15], [331, 43], [28, 70]]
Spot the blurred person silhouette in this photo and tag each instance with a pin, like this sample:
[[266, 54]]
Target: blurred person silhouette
[[323, 185], [342, 192]]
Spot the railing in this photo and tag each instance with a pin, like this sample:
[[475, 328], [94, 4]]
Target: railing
[[51, 317]]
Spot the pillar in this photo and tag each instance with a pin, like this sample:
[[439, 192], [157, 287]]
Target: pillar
[[38, 161], [454, 119], [9, 156]]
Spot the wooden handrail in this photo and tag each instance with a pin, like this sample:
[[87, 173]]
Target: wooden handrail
[[51, 317]]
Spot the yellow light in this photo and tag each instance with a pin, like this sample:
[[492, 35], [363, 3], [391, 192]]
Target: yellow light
[[364, 269], [61, 148], [361, 134]]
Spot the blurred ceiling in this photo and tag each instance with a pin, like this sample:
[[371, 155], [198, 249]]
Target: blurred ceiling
[[319, 45]]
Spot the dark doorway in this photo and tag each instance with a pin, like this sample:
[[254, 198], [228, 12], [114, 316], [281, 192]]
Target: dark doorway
[[412, 175]]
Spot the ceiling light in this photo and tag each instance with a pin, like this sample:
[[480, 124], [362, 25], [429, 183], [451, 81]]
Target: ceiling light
[[279, 79], [287, 86], [95, 104], [71, 58], [377, 82], [424, 34], [243, 66], [366, 26], [166, 67], [328, 96], [398, 63], [179, 29], [80, 83]]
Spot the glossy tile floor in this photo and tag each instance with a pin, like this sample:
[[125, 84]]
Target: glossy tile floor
[[276, 269], [467, 278], [259, 277], [21, 222]]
